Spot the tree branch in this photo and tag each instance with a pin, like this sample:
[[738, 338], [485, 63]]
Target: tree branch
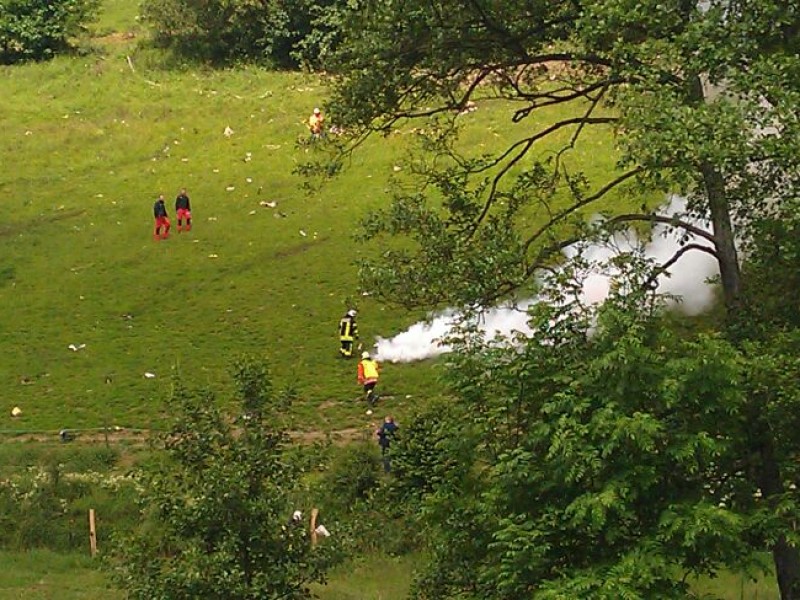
[[582, 203]]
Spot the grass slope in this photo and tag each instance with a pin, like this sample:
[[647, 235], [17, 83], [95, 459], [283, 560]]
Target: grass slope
[[89, 142]]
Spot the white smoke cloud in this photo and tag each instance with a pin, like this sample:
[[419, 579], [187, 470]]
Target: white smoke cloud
[[686, 280]]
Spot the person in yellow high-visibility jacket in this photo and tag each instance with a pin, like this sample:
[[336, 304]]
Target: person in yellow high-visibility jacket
[[368, 374], [348, 333], [316, 124]]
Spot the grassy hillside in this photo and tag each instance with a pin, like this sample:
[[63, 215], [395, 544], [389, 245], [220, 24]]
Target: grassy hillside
[[89, 142]]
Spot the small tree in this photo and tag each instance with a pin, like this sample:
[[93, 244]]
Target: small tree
[[40, 29], [217, 508]]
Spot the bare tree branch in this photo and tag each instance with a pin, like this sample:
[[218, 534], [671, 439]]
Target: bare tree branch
[[674, 221], [582, 203]]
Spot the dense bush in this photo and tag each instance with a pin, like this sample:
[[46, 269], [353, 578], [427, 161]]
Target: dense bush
[[46, 506], [277, 33], [39, 29]]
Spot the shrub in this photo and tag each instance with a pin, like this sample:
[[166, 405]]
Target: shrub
[[40, 29]]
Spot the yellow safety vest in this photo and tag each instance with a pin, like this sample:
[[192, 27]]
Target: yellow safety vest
[[370, 368]]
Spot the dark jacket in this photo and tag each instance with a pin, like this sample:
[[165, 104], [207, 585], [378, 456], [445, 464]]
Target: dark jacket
[[386, 434], [159, 210], [182, 201]]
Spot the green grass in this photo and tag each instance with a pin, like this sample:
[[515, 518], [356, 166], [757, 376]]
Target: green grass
[[89, 142], [44, 575]]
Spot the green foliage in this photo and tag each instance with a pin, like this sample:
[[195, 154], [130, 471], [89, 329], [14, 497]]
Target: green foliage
[[613, 463], [352, 478], [45, 505], [222, 505], [40, 29], [277, 33]]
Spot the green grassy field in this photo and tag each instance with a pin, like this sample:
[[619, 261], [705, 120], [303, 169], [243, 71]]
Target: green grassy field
[[46, 575], [89, 141]]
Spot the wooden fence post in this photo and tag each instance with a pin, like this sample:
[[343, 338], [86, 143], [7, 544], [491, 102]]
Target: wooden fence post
[[314, 513], [92, 533]]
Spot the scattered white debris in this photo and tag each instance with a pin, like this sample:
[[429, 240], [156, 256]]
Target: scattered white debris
[[149, 375], [212, 218], [321, 530], [268, 204], [28, 132], [248, 156], [215, 170], [252, 212], [213, 256], [75, 348], [228, 132], [16, 411], [249, 180], [303, 233], [369, 412], [230, 188], [184, 160], [99, 195], [272, 146], [397, 168], [365, 293]]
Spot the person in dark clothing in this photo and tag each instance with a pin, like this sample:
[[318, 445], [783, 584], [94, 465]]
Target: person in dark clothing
[[162, 219], [183, 210], [386, 433], [348, 333]]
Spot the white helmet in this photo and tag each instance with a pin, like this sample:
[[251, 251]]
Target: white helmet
[[365, 355], [352, 312]]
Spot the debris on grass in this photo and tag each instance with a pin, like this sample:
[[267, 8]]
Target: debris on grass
[[228, 132], [76, 347], [149, 375], [271, 204]]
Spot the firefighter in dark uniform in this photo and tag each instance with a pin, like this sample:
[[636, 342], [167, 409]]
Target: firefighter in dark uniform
[[183, 210], [348, 333], [162, 220]]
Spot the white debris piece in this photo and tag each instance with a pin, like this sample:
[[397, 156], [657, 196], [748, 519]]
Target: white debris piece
[[77, 347], [228, 132], [252, 212], [322, 530], [230, 188], [149, 375], [303, 233], [213, 256], [268, 204], [16, 411]]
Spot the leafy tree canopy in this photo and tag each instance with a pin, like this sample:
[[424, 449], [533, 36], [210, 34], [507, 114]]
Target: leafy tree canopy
[[40, 29], [699, 98], [218, 507]]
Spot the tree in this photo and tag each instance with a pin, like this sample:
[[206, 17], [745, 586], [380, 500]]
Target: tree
[[648, 73], [40, 29], [700, 99], [615, 458], [278, 33], [218, 507]]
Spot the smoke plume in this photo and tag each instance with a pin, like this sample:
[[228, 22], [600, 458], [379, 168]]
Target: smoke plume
[[687, 280]]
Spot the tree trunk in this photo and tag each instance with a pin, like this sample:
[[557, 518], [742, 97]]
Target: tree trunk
[[724, 242], [785, 557], [719, 210]]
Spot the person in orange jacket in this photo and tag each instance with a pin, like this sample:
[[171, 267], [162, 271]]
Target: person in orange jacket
[[368, 374]]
